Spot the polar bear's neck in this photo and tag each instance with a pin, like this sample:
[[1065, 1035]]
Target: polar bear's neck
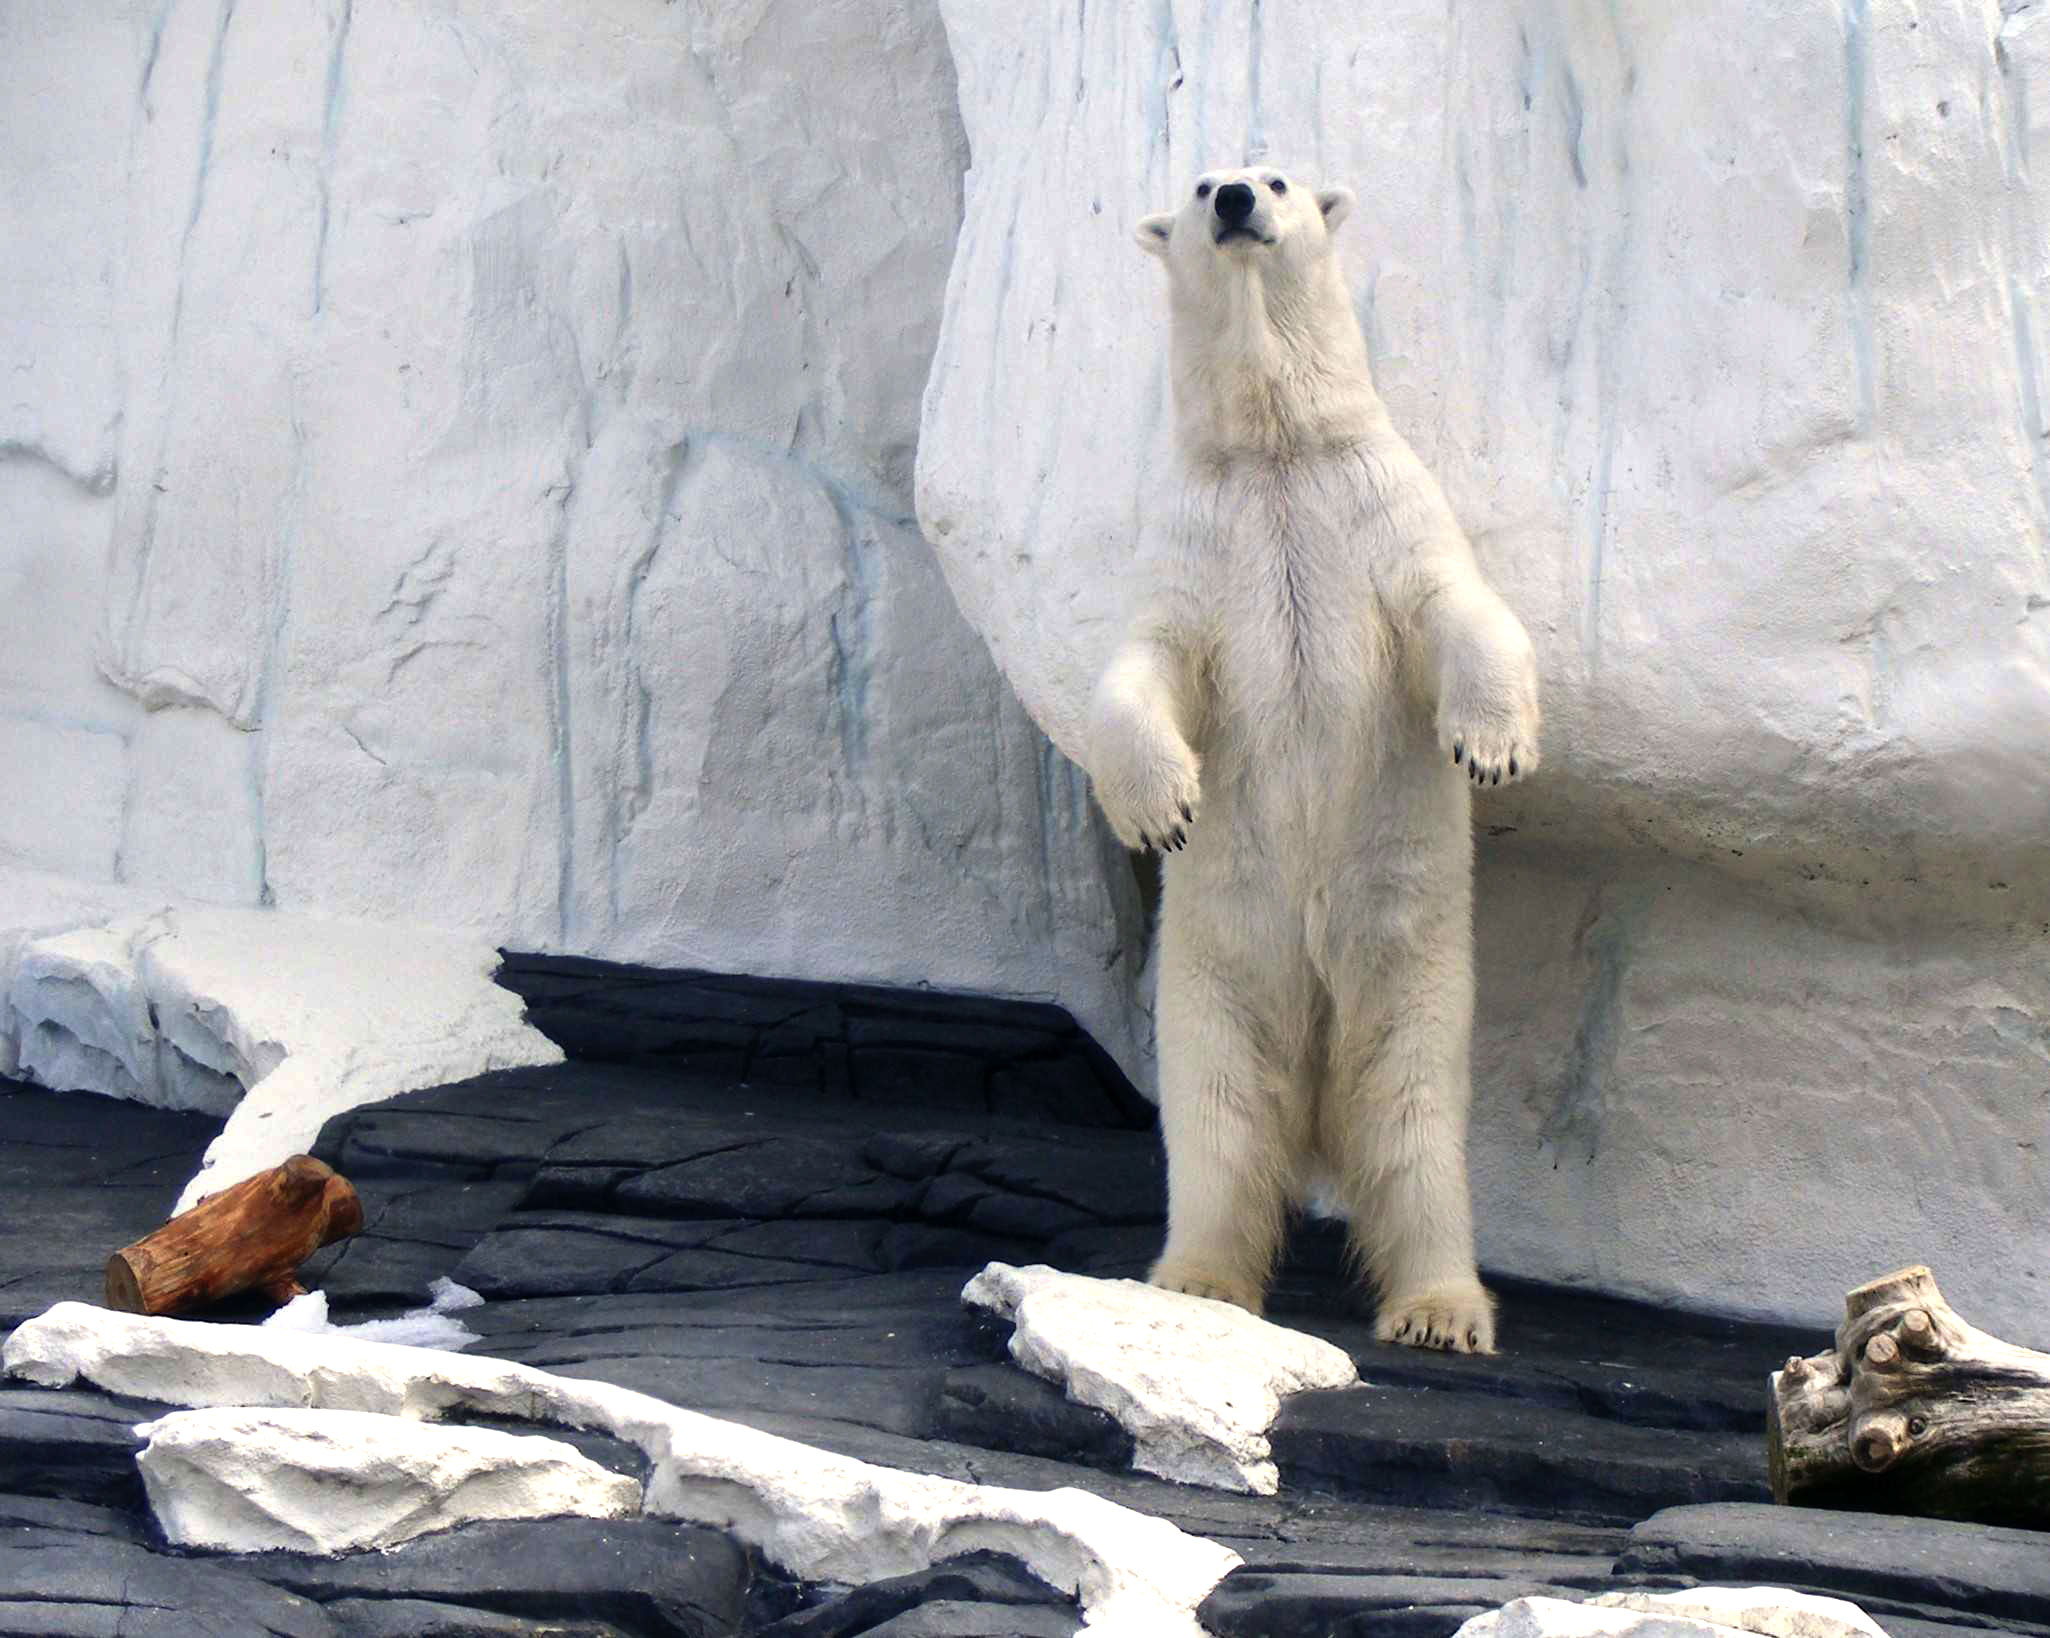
[[1271, 363]]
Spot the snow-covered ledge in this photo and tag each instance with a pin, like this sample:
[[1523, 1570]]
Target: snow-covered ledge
[[1695, 1612], [276, 1020], [1196, 1383], [818, 1516], [331, 1481]]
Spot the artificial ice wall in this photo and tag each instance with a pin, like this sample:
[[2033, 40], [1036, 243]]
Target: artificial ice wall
[[462, 465]]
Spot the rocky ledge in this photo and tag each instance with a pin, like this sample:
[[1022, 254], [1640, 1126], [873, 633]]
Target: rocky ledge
[[787, 1254]]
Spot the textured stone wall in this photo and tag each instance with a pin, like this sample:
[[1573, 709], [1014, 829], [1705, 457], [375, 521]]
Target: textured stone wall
[[455, 467]]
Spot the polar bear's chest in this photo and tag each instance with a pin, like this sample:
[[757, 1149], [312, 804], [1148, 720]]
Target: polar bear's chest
[[1301, 644]]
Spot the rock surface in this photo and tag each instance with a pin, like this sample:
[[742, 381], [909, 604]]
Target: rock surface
[[816, 1515], [1196, 1383], [455, 467], [333, 1481], [1729, 354], [1905, 1566], [891, 1369]]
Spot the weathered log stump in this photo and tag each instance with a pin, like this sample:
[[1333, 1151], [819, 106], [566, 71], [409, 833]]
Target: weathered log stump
[[1914, 1412], [250, 1237]]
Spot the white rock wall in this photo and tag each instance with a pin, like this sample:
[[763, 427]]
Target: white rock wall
[[1725, 328], [455, 468]]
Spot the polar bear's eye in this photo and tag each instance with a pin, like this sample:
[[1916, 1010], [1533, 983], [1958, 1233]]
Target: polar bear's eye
[[1278, 185], [1202, 190]]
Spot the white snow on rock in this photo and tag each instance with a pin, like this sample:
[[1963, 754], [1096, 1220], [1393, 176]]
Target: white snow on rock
[[277, 1021], [455, 468], [38, 903], [434, 1326], [1196, 1383], [1737, 377], [243, 1480], [817, 1515], [1697, 1612], [1562, 1618], [1774, 1612]]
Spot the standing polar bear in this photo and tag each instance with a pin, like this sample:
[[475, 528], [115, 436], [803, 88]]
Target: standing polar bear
[[1315, 678]]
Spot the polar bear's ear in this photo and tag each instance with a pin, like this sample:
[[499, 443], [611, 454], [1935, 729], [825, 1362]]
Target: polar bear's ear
[[1336, 204], [1152, 233]]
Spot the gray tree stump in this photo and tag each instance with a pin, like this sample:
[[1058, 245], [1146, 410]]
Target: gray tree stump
[[1914, 1412]]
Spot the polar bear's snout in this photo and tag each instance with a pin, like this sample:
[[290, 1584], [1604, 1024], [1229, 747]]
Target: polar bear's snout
[[1234, 212]]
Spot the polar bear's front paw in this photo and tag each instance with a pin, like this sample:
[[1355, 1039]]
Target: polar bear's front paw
[[1491, 758], [1153, 800], [1174, 1274], [1457, 1318], [1491, 748]]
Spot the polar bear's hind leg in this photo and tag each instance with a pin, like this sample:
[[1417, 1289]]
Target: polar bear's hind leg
[[1236, 1123], [1393, 1127]]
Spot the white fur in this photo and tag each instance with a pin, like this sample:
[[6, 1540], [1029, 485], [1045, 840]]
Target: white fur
[[1317, 674]]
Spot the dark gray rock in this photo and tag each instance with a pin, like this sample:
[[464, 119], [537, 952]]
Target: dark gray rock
[[49, 1513], [645, 1576], [75, 1443], [549, 1254], [80, 1177], [58, 1582], [974, 1594], [948, 1619], [422, 1618], [1005, 1408], [1266, 1604], [1461, 1451], [777, 1244], [1920, 1566], [874, 1045], [411, 1237]]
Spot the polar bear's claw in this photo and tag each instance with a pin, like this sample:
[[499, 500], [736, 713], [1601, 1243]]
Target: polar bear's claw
[[1492, 759]]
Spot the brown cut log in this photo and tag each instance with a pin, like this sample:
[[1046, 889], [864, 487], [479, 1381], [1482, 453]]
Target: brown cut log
[[1914, 1411], [250, 1237]]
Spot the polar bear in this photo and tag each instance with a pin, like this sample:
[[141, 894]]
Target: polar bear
[[1315, 680]]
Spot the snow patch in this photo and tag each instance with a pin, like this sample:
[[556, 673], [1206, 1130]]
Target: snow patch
[[1697, 1612], [431, 1327], [1774, 1612], [819, 1516], [275, 1020], [1196, 1383], [332, 1481]]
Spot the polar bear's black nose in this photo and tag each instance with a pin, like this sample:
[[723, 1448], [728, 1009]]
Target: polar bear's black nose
[[1234, 203]]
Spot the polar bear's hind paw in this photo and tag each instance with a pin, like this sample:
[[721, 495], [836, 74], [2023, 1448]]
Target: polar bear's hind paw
[[1196, 1282], [1457, 1319]]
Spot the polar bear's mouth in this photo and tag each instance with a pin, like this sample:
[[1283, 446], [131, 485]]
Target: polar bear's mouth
[[1226, 235]]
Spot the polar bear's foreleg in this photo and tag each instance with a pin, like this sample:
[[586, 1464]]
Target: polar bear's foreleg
[[1234, 1114], [1141, 722], [1485, 677], [1393, 1127]]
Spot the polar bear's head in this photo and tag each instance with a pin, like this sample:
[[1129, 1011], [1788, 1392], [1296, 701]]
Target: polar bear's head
[[1267, 350], [1232, 221]]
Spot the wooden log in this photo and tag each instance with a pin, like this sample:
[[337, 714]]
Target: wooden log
[[250, 1237], [1914, 1411]]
